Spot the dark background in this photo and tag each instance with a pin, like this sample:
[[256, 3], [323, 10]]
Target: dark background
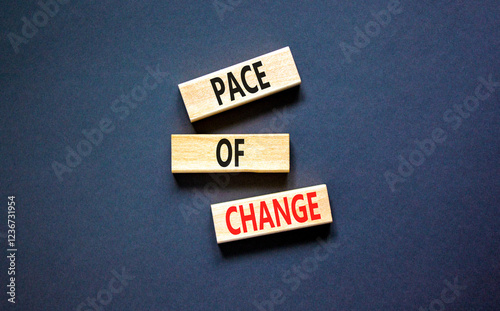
[[348, 123]]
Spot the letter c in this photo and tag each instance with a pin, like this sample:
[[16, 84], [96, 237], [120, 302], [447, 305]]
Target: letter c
[[228, 220], [244, 80]]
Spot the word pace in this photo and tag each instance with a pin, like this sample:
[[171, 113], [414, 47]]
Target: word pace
[[239, 84], [234, 87], [272, 213]]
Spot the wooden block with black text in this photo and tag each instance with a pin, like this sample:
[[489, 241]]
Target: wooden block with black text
[[221, 153], [271, 213], [239, 84]]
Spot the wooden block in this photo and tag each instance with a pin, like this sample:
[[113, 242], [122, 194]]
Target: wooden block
[[257, 153], [239, 84], [272, 213]]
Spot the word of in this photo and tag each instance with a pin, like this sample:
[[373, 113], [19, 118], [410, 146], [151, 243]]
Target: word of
[[237, 152], [263, 153]]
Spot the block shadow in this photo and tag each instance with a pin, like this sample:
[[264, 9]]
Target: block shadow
[[277, 241], [232, 180], [237, 180], [283, 240], [238, 114]]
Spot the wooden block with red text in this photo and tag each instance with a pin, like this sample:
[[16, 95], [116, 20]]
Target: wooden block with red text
[[221, 153], [239, 84], [271, 213]]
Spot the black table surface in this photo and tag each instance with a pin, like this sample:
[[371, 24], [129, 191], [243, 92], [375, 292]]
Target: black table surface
[[398, 114]]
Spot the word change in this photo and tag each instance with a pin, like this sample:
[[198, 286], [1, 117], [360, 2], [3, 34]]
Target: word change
[[272, 213]]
